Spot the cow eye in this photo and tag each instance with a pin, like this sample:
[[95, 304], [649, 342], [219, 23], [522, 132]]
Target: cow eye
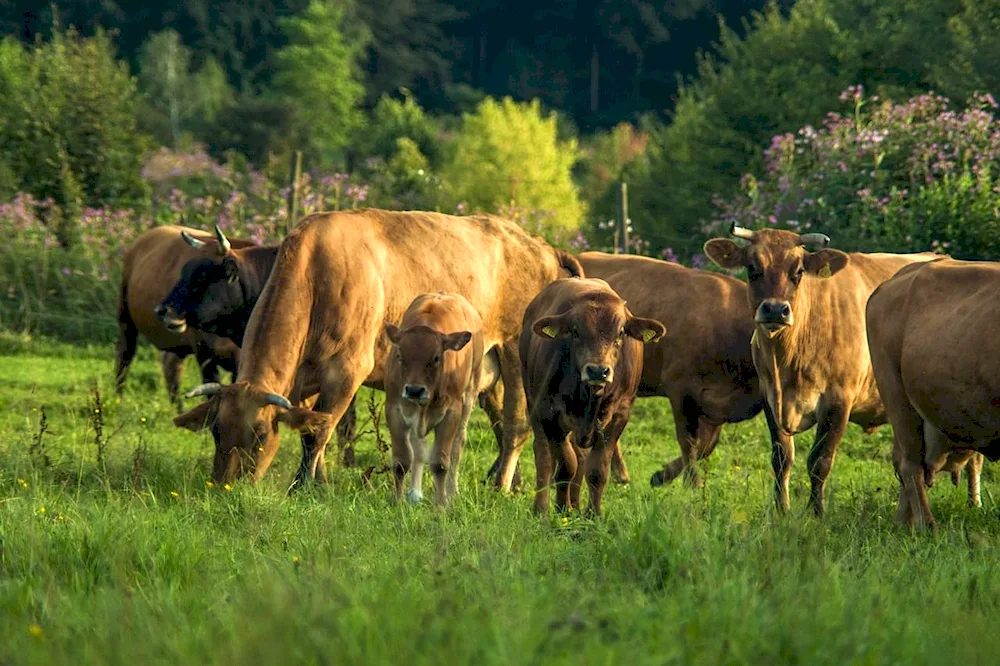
[[437, 359], [797, 275]]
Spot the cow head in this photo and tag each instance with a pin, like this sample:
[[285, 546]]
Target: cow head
[[244, 423], [208, 292], [776, 263], [419, 351], [595, 330]]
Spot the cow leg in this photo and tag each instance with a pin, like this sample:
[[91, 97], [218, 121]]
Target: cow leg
[[831, 425], [457, 445], [447, 435], [208, 363], [782, 458], [975, 469], [172, 366], [686, 426], [346, 433], [128, 338], [340, 383], [419, 444], [402, 454], [599, 461], [566, 474], [618, 467], [515, 415], [492, 400], [543, 469]]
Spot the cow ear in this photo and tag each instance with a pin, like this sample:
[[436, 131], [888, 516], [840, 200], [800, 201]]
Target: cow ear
[[304, 420], [392, 332], [199, 418], [231, 268], [725, 253], [825, 263], [455, 341], [549, 327], [645, 330]]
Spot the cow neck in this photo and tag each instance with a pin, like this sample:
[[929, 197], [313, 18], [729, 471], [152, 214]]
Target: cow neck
[[276, 338], [258, 264]]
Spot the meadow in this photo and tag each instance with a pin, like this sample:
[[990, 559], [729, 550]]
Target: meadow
[[115, 549]]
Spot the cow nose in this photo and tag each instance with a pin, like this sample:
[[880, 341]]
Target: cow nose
[[160, 310], [597, 373], [774, 311], [414, 392]]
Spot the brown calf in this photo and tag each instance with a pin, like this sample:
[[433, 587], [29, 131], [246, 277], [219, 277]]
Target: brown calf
[[581, 360], [932, 333], [436, 369], [809, 344]]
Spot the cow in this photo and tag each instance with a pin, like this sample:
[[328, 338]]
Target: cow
[[809, 344], [703, 364], [151, 265], [581, 361], [930, 329], [216, 293], [436, 369], [337, 278]]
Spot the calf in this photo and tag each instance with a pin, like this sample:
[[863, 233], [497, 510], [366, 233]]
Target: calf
[[581, 361], [435, 371]]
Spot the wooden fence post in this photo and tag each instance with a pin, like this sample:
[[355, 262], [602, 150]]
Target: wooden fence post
[[293, 191], [621, 237]]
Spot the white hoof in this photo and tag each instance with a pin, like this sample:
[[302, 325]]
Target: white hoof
[[414, 496]]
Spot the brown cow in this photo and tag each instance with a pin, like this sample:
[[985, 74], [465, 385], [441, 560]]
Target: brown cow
[[931, 331], [703, 364], [435, 371], [581, 360], [152, 264], [338, 277], [809, 344]]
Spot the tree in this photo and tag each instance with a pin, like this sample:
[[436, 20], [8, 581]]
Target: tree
[[318, 71], [508, 154], [183, 99]]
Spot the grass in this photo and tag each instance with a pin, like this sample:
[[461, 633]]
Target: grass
[[134, 560]]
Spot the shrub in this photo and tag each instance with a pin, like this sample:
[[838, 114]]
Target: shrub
[[393, 120], [507, 154], [903, 177]]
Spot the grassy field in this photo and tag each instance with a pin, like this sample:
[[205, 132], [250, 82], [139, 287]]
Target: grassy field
[[121, 554]]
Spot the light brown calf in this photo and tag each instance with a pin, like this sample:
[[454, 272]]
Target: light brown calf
[[436, 369]]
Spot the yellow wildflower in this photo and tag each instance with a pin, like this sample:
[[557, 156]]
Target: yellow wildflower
[[228, 487], [142, 420], [24, 484], [174, 493], [35, 630], [209, 484], [295, 560], [41, 510]]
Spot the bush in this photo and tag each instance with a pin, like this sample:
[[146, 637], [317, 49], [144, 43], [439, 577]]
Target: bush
[[70, 130], [905, 177], [508, 155], [393, 120]]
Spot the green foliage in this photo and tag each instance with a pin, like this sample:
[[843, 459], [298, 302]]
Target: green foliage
[[70, 129], [257, 127], [178, 98], [509, 153], [392, 120], [318, 72]]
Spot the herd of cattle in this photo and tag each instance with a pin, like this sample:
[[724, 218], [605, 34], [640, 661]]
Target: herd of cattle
[[442, 312]]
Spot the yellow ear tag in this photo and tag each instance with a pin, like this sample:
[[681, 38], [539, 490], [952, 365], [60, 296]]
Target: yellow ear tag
[[648, 335], [550, 331], [825, 272]]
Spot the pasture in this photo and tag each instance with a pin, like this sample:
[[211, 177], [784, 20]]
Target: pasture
[[115, 550]]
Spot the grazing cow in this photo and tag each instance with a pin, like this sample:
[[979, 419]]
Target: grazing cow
[[435, 371], [809, 344], [581, 360], [151, 265], [930, 329], [703, 364], [319, 321]]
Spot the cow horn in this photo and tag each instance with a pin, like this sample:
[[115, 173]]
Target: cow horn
[[822, 240], [741, 232], [212, 388], [192, 241], [224, 245], [275, 399]]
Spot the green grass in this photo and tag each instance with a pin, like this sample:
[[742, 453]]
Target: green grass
[[139, 562]]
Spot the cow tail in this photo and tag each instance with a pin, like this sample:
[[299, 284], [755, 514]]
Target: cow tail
[[570, 263]]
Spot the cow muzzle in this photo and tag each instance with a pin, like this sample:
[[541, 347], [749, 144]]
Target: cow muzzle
[[774, 314], [416, 393], [170, 318], [597, 374]]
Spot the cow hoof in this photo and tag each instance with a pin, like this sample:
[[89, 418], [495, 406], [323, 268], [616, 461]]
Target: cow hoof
[[657, 479], [414, 496]]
